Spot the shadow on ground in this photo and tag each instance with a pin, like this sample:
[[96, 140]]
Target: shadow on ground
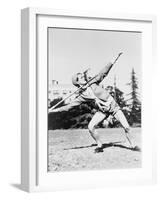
[[108, 145], [81, 147]]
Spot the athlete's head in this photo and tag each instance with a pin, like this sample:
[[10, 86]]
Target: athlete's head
[[78, 79]]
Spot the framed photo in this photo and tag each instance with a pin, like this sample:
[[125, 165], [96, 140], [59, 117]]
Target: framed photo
[[87, 114]]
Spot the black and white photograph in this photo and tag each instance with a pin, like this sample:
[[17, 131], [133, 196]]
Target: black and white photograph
[[94, 99]]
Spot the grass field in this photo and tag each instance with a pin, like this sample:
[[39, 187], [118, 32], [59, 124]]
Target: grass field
[[71, 150]]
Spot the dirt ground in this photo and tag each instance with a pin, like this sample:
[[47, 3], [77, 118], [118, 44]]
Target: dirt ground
[[71, 150]]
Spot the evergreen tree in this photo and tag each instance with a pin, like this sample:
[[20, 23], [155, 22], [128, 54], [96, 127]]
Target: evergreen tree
[[134, 102]]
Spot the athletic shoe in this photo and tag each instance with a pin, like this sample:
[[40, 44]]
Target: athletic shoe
[[136, 148], [98, 150]]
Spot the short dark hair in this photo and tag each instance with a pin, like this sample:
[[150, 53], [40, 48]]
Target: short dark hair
[[75, 79]]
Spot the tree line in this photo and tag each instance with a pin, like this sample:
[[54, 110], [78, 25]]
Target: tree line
[[80, 116]]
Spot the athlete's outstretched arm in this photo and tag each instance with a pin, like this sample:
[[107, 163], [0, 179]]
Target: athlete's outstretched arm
[[102, 74]]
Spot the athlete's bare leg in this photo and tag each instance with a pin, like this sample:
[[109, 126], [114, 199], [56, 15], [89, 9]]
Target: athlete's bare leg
[[97, 118]]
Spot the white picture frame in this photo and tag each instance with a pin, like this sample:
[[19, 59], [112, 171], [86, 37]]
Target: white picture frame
[[34, 175]]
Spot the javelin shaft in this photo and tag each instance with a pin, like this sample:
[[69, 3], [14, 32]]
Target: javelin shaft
[[66, 98]]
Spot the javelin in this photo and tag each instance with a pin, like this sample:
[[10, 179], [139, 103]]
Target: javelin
[[83, 86]]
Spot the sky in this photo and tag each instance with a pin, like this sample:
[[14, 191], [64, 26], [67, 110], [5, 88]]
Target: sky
[[75, 50]]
